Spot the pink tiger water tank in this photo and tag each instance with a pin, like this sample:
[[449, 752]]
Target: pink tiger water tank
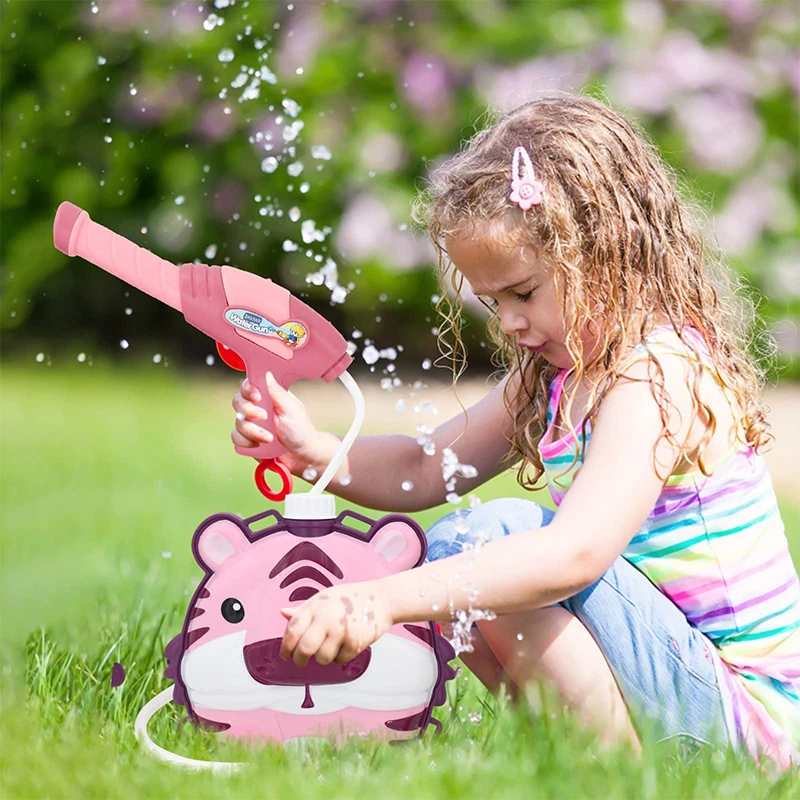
[[226, 664]]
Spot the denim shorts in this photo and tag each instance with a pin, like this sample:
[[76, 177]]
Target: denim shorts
[[665, 668]]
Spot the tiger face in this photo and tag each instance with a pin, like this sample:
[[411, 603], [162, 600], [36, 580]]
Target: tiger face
[[227, 664]]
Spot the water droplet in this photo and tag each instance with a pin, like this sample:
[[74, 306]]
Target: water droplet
[[40, 357], [338, 295], [345, 480], [429, 448], [81, 357], [309, 473], [128, 311], [290, 132], [452, 497], [304, 187], [406, 486], [291, 107], [268, 75], [370, 354], [179, 200], [124, 344], [320, 151], [475, 717], [226, 55], [210, 251], [157, 358], [426, 364], [295, 169], [435, 607], [519, 637], [210, 360], [212, 21], [294, 213], [107, 139], [166, 554], [269, 164], [101, 60]]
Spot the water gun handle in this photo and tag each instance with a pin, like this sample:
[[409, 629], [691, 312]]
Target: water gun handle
[[260, 326]]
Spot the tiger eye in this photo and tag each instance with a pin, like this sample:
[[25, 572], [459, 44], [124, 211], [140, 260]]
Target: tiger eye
[[232, 610]]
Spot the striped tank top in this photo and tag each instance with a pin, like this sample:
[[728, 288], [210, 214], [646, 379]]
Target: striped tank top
[[716, 547]]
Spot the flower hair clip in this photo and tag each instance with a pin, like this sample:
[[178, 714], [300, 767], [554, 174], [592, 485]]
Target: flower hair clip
[[525, 191]]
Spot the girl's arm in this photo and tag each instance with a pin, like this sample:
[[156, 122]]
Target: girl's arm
[[379, 465], [611, 496]]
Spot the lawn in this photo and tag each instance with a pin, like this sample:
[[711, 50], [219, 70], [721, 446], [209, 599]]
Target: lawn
[[105, 475]]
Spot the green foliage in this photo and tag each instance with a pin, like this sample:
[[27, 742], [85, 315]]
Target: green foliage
[[112, 110]]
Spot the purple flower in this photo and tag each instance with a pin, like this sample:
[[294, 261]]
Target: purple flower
[[118, 15], [745, 215], [426, 83], [183, 19], [507, 87], [228, 199], [722, 129], [368, 229], [303, 35], [213, 123]]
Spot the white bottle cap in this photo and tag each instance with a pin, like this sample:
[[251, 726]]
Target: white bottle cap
[[309, 506]]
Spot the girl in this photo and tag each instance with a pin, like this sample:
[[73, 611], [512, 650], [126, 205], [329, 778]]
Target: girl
[[662, 590]]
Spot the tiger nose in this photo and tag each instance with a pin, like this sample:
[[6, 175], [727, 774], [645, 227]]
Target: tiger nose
[[265, 665]]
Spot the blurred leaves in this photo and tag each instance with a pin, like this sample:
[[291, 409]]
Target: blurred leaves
[[131, 109]]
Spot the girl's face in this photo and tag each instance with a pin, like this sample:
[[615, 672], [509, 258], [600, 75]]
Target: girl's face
[[520, 286]]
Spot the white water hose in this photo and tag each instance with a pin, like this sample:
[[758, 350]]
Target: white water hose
[[358, 420], [174, 760]]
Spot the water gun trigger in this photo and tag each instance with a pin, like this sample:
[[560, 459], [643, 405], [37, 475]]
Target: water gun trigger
[[231, 357]]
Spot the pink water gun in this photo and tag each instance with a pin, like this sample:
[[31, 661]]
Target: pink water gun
[[257, 325]]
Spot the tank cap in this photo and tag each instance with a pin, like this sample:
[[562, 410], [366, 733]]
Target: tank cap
[[309, 506]]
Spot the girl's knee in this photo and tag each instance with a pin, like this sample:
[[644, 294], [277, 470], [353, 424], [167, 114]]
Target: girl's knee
[[508, 515], [464, 528], [448, 536]]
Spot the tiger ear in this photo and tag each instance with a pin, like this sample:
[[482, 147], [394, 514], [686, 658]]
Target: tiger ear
[[399, 542], [217, 542]]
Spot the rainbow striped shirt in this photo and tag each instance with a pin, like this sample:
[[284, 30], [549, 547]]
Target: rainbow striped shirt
[[717, 548]]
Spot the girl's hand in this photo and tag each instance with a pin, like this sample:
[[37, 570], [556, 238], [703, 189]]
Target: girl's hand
[[336, 624], [294, 427]]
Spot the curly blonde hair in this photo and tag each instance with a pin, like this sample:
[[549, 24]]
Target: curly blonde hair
[[620, 236]]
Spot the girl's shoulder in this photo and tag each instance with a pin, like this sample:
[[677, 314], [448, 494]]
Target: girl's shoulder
[[711, 393], [665, 340]]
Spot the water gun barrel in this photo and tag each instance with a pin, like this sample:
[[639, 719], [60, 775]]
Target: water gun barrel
[[75, 234]]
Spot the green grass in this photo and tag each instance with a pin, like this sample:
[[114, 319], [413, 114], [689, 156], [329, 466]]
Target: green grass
[[104, 473]]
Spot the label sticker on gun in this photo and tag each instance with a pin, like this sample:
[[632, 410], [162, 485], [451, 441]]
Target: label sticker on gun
[[293, 334]]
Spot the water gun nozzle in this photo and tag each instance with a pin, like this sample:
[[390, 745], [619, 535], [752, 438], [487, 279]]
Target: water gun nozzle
[[66, 217]]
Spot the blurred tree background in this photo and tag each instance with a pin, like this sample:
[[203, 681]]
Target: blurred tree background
[[289, 138]]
